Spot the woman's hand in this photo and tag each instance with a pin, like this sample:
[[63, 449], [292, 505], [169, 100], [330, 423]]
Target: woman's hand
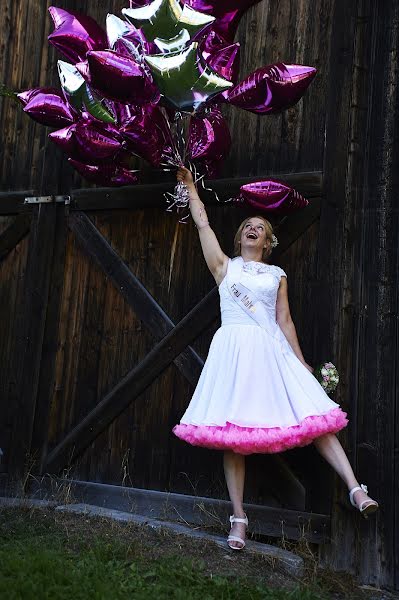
[[185, 176], [311, 369]]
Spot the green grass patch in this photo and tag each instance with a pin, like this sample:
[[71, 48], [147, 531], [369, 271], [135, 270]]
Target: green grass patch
[[46, 556]]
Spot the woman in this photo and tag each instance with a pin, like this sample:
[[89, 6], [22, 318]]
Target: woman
[[256, 392]]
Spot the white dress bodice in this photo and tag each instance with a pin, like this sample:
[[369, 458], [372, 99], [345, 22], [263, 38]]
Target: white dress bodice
[[262, 279]]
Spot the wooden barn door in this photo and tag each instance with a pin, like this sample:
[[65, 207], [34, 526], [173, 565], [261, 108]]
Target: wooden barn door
[[118, 313]]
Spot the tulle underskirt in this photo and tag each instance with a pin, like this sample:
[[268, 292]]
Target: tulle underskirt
[[262, 440]]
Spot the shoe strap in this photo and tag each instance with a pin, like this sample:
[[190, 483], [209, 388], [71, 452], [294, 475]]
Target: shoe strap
[[368, 502], [234, 538], [234, 519], [352, 492]]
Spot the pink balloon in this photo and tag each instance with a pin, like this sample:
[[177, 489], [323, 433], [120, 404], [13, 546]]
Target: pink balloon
[[271, 195], [76, 141], [65, 139], [48, 107], [107, 175], [121, 78], [95, 143], [27, 95], [225, 61], [123, 112], [272, 88], [84, 69], [209, 137], [137, 39], [147, 133], [75, 34]]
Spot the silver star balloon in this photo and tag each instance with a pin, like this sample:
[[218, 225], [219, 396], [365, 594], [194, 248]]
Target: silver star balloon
[[79, 93], [185, 79], [173, 44], [116, 29], [166, 18]]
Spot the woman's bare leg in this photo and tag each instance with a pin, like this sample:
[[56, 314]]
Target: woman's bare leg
[[330, 448], [234, 470]]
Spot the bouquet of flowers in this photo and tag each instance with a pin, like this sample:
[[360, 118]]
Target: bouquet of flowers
[[327, 375]]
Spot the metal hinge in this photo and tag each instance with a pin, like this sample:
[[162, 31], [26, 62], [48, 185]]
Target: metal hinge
[[48, 200]]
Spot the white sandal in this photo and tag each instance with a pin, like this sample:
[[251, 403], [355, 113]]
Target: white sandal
[[234, 538], [372, 505]]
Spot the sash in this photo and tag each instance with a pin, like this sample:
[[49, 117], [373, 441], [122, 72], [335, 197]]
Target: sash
[[252, 305]]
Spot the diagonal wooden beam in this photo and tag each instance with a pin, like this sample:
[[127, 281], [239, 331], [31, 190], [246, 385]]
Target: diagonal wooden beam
[[13, 234], [139, 378], [135, 294], [132, 385]]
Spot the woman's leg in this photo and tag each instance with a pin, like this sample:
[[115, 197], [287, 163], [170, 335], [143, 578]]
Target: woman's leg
[[330, 448], [234, 470]]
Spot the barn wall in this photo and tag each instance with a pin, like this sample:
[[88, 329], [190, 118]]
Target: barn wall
[[343, 273]]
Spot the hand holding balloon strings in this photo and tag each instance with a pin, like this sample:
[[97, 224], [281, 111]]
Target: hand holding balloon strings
[[197, 208]]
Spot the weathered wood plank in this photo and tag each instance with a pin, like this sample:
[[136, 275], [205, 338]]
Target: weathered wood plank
[[360, 223], [152, 195], [27, 359], [12, 203], [197, 510], [308, 184], [50, 343], [14, 233], [145, 306]]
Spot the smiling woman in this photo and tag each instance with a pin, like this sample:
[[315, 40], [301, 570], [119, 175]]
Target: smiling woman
[[255, 228], [256, 393]]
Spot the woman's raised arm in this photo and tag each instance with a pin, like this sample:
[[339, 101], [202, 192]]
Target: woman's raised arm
[[214, 256]]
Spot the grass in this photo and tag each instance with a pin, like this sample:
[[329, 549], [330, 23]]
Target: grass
[[45, 554]]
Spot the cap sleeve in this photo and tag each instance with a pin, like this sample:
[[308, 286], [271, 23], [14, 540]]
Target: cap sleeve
[[281, 272]]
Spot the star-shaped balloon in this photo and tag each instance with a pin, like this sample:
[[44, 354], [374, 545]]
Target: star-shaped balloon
[[79, 93], [272, 88], [166, 18], [75, 34], [184, 79], [173, 44]]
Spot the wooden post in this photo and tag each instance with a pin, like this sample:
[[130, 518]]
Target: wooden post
[[30, 337], [50, 343]]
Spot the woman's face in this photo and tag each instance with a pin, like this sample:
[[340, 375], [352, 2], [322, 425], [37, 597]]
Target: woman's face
[[254, 234]]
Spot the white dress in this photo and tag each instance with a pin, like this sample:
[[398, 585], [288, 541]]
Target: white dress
[[254, 394]]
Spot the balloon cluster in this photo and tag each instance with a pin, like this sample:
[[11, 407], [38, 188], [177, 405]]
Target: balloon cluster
[[151, 85]]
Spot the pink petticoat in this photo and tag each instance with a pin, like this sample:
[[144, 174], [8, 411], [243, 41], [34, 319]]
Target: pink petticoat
[[250, 440]]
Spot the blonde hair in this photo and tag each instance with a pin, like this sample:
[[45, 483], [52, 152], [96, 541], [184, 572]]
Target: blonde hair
[[269, 232]]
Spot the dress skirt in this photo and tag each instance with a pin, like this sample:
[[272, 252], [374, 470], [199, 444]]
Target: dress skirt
[[254, 397]]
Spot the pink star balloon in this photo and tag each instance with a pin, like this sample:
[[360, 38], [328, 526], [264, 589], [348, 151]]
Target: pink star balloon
[[106, 175], [48, 107], [272, 88], [271, 195], [147, 133], [75, 34], [209, 137], [121, 78]]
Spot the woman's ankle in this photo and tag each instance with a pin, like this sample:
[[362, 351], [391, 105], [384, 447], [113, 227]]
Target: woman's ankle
[[239, 513]]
